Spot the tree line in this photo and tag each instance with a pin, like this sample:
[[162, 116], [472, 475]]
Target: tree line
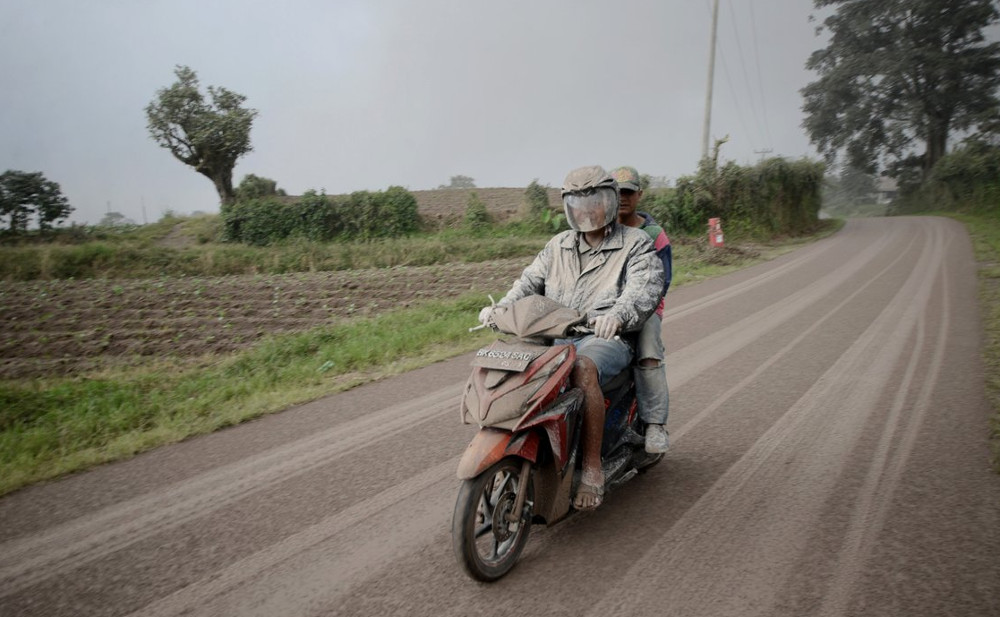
[[898, 80], [29, 196]]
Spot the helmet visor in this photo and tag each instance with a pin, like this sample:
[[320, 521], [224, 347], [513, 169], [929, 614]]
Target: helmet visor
[[592, 209]]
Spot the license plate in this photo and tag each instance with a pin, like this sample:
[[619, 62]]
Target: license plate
[[503, 359]]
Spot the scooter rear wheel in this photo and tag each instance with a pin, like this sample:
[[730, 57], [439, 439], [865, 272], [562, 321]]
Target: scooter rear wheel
[[487, 545]]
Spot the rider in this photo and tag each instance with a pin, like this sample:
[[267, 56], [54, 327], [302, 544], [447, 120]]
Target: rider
[[651, 378], [608, 271]]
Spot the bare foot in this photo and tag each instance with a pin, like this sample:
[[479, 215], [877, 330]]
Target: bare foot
[[588, 497], [590, 494]]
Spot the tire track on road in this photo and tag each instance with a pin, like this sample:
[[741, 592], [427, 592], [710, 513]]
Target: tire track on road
[[713, 564], [696, 358], [888, 465], [30, 560], [322, 578], [799, 260], [716, 404]]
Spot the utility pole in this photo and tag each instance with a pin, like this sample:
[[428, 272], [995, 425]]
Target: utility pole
[[711, 78]]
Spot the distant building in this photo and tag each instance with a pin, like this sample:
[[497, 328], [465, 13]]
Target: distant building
[[886, 190]]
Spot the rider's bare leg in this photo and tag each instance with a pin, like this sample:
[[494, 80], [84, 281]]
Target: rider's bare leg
[[586, 377]]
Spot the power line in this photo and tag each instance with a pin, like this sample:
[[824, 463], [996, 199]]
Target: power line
[[732, 91], [760, 80], [746, 73]]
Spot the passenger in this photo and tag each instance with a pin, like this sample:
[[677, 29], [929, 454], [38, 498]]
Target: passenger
[[651, 389]]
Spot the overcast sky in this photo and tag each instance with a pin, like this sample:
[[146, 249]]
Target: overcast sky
[[366, 94]]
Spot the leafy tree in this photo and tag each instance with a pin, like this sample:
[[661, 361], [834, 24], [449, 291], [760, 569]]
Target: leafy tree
[[460, 182], [208, 136], [23, 194], [900, 74], [252, 187]]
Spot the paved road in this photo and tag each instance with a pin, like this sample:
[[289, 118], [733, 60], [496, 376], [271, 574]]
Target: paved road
[[829, 458]]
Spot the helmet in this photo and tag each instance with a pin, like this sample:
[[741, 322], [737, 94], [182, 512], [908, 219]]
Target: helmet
[[590, 198]]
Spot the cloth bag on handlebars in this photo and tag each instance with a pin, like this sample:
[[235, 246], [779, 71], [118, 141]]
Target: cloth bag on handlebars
[[536, 317]]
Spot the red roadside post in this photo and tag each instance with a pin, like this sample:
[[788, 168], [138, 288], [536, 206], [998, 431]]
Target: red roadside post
[[715, 232]]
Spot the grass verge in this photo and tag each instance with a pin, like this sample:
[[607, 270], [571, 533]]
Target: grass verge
[[49, 427], [136, 254], [985, 233]]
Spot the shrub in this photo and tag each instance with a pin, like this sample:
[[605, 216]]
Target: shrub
[[535, 205], [253, 187], [477, 217], [555, 221], [316, 216], [536, 197], [399, 216], [965, 180], [775, 196], [258, 222]]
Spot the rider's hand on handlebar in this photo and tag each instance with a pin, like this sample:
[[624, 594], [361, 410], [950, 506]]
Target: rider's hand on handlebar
[[484, 315], [606, 326]]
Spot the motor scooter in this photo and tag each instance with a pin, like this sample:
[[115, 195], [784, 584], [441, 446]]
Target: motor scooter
[[523, 465]]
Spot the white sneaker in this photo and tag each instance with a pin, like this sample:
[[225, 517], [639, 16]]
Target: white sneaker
[[657, 439]]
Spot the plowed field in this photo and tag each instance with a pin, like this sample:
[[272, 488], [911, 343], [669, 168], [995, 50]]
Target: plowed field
[[66, 327]]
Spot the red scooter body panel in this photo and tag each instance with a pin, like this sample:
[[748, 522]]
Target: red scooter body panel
[[487, 395], [553, 420], [490, 445]]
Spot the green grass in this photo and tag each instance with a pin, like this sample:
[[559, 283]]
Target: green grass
[[985, 232], [49, 427], [103, 259], [185, 247], [55, 426]]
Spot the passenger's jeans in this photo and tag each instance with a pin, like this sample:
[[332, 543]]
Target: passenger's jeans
[[610, 356], [651, 389]]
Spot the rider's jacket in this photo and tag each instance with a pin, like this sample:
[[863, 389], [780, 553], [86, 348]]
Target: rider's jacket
[[623, 277]]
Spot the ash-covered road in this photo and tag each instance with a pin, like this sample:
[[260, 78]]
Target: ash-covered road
[[829, 458]]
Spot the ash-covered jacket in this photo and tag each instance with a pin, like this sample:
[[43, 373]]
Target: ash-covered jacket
[[624, 279], [663, 250]]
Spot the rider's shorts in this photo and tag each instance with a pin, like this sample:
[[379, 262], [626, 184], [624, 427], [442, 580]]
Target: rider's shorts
[[610, 356]]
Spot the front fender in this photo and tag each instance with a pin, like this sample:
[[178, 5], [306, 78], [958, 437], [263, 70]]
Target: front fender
[[490, 445]]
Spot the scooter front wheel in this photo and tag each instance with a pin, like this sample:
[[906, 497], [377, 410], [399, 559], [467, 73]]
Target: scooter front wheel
[[487, 544]]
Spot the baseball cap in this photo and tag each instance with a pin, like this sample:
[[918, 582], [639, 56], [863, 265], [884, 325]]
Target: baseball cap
[[627, 178]]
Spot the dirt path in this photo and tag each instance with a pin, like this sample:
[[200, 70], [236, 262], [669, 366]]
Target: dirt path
[[829, 458]]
